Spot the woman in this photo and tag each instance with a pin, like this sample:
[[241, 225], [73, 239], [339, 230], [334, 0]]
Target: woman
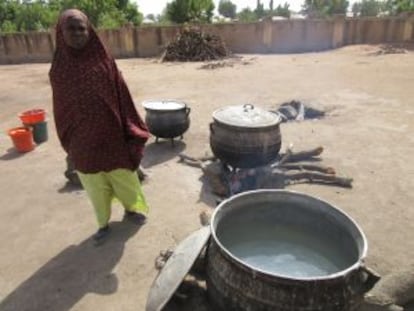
[[96, 120]]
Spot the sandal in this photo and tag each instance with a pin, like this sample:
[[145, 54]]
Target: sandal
[[135, 217], [100, 236]]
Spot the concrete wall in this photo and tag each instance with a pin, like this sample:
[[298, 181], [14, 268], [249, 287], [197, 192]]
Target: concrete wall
[[240, 38], [282, 36], [372, 30]]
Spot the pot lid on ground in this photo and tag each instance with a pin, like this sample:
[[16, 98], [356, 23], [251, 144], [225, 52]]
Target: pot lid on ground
[[163, 104], [176, 268], [246, 116]]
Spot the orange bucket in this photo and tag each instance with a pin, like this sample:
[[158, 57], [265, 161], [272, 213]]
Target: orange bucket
[[22, 139], [32, 116]]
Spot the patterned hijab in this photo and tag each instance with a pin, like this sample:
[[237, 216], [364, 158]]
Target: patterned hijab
[[83, 81]]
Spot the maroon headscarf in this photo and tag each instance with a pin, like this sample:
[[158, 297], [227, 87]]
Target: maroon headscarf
[[95, 117]]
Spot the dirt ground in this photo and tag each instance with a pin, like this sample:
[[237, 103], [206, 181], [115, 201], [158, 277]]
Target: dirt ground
[[47, 261]]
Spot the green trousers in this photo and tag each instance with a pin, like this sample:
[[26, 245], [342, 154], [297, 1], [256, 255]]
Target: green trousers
[[103, 187]]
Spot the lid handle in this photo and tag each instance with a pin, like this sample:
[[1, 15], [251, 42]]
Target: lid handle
[[248, 107]]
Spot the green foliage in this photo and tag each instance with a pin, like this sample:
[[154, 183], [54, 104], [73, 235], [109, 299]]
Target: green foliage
[[259, 11], [184, 11], [281, 10], [389, 7], [8, 26], [151, 17], [368, 8], [324, 8], [38, 15], [227, 8], [247, 15], [400, 6]]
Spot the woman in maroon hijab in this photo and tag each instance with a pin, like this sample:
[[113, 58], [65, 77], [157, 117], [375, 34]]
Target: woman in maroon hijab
[[96, 120]]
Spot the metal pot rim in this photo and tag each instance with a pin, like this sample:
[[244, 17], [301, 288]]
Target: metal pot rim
[[164, 105], [358, 264], [246, 116]]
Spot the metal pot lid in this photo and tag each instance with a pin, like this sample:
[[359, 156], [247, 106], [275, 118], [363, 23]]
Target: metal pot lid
[[246, 116], [176, 268], [167, 104]]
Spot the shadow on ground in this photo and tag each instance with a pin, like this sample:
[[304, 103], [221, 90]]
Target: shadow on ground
[[69, 187], [76, 271], [157, 153], [11, 154]]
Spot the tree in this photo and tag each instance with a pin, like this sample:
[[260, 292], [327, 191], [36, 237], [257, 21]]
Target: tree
[[323, 8], [227, 8], [368, 8], [271, 5], [259, 11], [183, 11], [338, 7], [282, 10], [26, 15], [151, 17], [400, 6], [247, 15]]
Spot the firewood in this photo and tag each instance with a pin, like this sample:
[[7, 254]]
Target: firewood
[[316, 177], [225, 183], [191, 44], [309, 167], [304, 155], [285, 158], [291, 156], [184, 157], [216, 178]]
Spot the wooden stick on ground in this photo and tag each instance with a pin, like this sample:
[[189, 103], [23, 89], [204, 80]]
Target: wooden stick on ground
[[291, 156], [304, 155], [213, 172], [285, 158], [309, 167], [316, 177], [184, 157]]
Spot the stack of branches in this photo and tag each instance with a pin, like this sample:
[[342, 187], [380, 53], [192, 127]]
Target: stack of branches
[[192, 44], [290, 168]]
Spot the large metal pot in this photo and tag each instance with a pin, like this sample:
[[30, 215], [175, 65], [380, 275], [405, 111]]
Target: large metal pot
[[245, 136], [277, 250], [166, 118]]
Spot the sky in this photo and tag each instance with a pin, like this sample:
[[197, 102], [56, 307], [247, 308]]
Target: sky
[[156, 6]]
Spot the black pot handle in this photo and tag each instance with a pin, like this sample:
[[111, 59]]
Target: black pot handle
[[247, 107], [187, 111], [212, 128], [369, 278]]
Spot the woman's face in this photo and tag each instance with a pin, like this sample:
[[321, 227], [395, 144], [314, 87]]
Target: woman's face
[[75, 32]]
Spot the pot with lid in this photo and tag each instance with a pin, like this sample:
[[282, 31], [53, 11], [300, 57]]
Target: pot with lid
[[245, 136], [166, 118]]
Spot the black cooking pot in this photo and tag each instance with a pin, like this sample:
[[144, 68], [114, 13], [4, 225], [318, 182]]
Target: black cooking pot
[[245, 136], [166, 118]]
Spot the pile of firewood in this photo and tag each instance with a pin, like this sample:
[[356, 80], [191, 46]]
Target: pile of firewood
[[291, 167], [194, 45]]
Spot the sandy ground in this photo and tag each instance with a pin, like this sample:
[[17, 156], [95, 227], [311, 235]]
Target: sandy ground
[[47, 261]]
